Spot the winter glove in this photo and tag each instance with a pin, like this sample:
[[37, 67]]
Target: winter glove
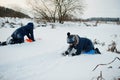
[[73, 54], [66, 53]]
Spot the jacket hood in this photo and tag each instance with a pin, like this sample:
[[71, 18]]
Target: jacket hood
[[30, 25]]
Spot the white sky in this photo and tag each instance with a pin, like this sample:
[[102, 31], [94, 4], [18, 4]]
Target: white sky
[[94, 8], [105, 8], [9, 3]]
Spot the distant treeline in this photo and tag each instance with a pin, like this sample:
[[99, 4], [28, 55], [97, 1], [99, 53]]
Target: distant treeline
[[6, 12], [104, 19]]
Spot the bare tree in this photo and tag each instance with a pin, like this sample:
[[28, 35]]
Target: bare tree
[[42, 9], [68, 7], [56, 9]]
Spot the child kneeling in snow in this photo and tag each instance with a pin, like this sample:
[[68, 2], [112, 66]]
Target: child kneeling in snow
[[79, 45], [19, 34]]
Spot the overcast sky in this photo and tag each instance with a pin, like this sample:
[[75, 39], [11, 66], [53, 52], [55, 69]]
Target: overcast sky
[[94, 8], [9, 3], [105, 8]]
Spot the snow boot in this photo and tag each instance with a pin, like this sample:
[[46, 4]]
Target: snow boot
[[0, 43], [97, 51], [3, 43]]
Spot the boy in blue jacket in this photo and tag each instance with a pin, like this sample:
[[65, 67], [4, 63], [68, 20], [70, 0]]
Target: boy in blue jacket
[[19, 34], [27, 30], [79, 45]]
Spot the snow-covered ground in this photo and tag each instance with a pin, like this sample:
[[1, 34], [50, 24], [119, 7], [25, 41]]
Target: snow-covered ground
[[42, 59]]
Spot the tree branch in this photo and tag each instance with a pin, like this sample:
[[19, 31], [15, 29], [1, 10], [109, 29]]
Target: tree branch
[[107, 63]]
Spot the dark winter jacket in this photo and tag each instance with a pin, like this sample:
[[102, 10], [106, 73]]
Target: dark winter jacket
[[18, 34], [80, 44]]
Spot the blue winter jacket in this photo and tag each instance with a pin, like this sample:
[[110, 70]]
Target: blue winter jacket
[[19, 33]]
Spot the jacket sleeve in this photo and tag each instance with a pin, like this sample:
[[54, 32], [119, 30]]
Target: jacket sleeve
[[69, 48], [31, 35]]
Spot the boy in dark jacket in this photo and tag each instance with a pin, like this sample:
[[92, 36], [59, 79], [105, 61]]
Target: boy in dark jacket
[[79, 45], [19, 34]]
